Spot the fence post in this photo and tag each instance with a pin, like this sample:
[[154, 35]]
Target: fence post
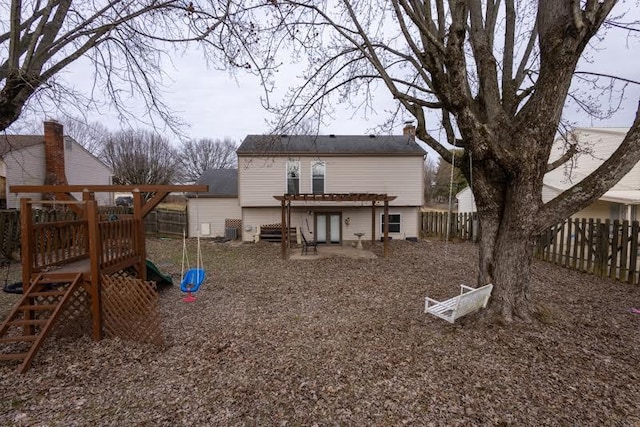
[[615, 249], [624, 252], [633, 253]]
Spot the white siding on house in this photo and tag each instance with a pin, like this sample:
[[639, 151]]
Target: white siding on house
[[466, 202], [82, 168], [262, 178], [359, 221], [24, 167], [602, 210], [353, 220], [601, 143], [27, 167], [212, 211], [255, 217], [549, 193]]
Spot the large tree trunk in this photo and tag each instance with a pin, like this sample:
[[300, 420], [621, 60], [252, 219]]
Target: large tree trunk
[[508, 202], [506, 258]]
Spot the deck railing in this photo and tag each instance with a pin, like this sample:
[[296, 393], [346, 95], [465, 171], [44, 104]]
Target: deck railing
[[55, 239], [117, 241], [59, 242]]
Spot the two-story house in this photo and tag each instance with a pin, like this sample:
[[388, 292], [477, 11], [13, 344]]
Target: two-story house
[[271, 166], [52, 158]]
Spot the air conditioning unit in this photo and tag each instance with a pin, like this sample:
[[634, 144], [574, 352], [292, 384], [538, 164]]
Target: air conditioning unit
[[231, 233]]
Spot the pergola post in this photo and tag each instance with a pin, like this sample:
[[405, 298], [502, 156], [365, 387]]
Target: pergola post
[[373, 221], [283, 243], [386, 228], [288, 224]]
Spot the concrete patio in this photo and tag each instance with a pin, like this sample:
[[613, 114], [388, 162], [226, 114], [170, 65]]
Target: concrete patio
[[330, 251]]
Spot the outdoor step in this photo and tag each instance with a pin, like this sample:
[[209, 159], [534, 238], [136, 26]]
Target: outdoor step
[[38, 307], [18, 338], [13, 356], [47, 294], [53, 282], [26, 322]]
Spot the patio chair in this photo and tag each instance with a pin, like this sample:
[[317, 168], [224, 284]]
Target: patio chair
[[306, 244]]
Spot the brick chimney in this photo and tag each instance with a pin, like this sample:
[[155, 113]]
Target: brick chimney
[[54, 154], [409, 130]]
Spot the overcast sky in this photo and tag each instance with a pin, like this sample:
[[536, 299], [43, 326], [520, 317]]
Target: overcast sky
[[216, 104]]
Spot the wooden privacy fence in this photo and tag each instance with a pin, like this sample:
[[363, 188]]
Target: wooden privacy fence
[[9, 233], [166, 222], [604, 248], [461, 226]]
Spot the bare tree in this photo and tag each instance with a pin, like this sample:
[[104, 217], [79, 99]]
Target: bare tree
[[124, 41], [449, 181], [204, 154], [497, 74], [141, 157], [91, 135], [430, 169]]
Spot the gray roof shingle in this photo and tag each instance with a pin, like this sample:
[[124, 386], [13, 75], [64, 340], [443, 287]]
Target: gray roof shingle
[[373, 145], [221, 182]]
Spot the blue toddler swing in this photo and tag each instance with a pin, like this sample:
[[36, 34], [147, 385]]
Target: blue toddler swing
[[193, 278]]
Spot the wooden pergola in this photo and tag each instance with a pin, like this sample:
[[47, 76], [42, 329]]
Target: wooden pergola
[[286, 199]]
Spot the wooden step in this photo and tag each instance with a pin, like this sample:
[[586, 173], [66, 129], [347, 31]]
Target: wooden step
[[38, 307], [18, 338], [26, 322], [26, 305], [47, 294], [13, 356], [56, 279]]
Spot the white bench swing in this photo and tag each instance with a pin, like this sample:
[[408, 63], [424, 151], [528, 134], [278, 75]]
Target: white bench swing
[[469, 300]]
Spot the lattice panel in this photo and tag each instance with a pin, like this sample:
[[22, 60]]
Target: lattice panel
[[131, 309], [75, 319], [233, 223]]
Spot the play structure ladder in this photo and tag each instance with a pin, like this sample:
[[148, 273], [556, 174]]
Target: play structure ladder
[[34, 315]]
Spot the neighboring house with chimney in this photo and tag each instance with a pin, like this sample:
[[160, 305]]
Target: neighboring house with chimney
[[51, 158], [336, 175], [620, 202]]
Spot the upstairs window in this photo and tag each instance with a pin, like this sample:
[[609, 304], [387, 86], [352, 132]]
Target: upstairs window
[[293, 177], [317, 177]]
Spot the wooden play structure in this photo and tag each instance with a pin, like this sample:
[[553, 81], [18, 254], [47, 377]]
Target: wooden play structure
[[469, 300], [74, 266]]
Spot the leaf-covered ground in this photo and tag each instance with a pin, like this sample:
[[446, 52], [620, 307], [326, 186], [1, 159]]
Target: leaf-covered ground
[[344, 341]]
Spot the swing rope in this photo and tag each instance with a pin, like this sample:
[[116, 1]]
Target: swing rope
[[448, 229], [192, 278], [450, 207]]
